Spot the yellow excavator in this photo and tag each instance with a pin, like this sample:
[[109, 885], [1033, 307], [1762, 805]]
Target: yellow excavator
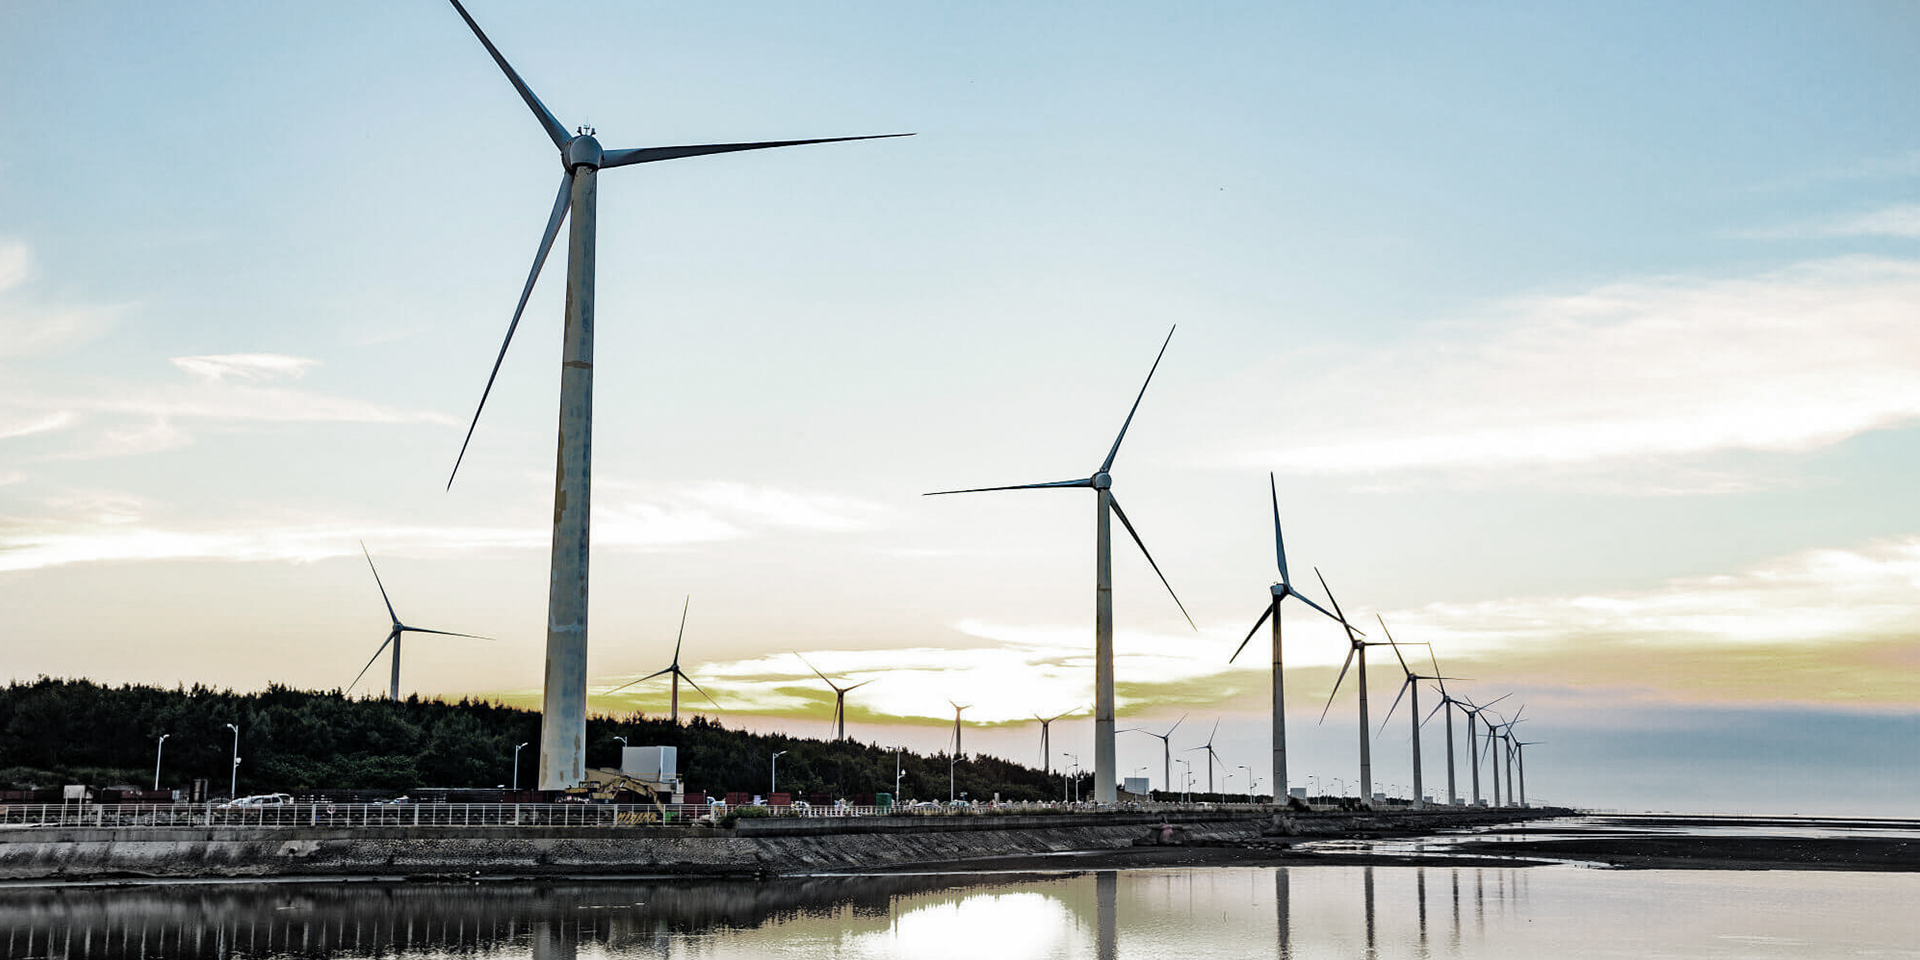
[[602, 785]]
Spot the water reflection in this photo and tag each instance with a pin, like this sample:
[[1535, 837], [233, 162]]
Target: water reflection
[[1239, 912]]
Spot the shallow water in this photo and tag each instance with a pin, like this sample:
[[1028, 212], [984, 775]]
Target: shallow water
[[1295, 912]]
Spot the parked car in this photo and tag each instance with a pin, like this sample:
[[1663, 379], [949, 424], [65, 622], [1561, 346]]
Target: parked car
[[261, 800]]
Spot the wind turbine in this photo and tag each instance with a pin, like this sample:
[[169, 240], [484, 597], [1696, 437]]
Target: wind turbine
[[839, 699], [1166, 747], [1106, 782], [1472, 710], [1211, 755], [1413, 708], [1446, 703], [1280, 591], [673, 670], [956, 727], [564, 702], [393, 636], [1358, 647], [1520, 753], [1046, 746]]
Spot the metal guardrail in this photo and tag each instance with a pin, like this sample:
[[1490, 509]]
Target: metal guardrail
[[291, 815]]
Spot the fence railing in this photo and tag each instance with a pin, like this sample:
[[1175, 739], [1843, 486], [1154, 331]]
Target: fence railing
[[204, 815]]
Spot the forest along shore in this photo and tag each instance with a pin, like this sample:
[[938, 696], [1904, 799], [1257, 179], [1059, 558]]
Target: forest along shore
[[749, 848]]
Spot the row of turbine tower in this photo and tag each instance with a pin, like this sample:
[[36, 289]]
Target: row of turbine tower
[[564, 691]]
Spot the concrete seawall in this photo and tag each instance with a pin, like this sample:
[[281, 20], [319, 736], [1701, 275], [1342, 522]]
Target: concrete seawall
[[751, 847]]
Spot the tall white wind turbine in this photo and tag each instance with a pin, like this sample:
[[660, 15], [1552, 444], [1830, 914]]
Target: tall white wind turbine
[[1280, 590], [1472, 710], [1166, 747], [1211, 755], [1046, 741], [1357, 647], [393, 636], [1410, 685], [673, 670], [1447, 703], [1106, 782], [564, 702], [839, 699]]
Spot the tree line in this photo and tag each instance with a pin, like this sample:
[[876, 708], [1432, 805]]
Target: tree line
[[68, 731]]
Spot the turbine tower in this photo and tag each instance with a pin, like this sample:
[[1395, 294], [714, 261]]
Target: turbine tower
[[564, 702], [1520, 754], [1106, 782], [839, 699], [393, 636], [1280, 591], [1357, 647], [673, 670], [1166, 747]]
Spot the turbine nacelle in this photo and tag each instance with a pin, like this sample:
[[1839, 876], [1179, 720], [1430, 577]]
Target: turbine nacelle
[[582, 151], [1101, 481]]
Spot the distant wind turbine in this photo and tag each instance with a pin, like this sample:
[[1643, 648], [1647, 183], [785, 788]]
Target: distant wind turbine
[[956, 726], [1473, 710], [1410, 685], [1211, 755], [673, 670], [1106, 780], [1520, 754], [839, 699], [1446, 703], [564, 702], [1046, 745], [1280, 591], [1166, 747], [1358, 647], [393, 636]]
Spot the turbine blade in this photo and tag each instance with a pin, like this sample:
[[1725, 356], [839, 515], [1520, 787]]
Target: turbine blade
[[1441, 680], [1396, 647], [1108, 463], [383, 587], [1122, 514], [1018, 486], [683, 629], [1176, 726], [444, 633], [1404, 684], [376, 655], [1271, 607], [690, 683], [546, 243], [1442, 705], [1279, 547], [1337, 682], [1337, 614], [1309, 602], [633, 155], [540, 111], [858, 685]]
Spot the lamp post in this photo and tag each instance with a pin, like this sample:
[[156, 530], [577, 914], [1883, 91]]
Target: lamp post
[[1075, 775], [157, 749], [1188, 793], [773, 777], [233, 779], [516, 765], [1249, 781], [1340, 786], [897, 774], [1313, 780], [1253, 787]]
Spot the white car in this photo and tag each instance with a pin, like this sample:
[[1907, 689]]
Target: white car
[[262, 800]]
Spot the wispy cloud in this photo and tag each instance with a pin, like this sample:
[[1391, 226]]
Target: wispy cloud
[[1786, 361], [249, 367], [1900, 221], [31, 329]]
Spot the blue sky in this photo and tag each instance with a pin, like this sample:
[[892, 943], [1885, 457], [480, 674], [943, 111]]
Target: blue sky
[[1580, 340]]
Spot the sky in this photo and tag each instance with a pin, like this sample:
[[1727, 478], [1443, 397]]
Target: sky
[[1579, 342]]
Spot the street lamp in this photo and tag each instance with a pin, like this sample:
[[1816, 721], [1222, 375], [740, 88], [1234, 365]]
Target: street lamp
[[898, 772], [1188, 796], [233, 779], [1340, 788], [1249, 782], [1076, 778], [157, 748], [516, 765], [773, 778]]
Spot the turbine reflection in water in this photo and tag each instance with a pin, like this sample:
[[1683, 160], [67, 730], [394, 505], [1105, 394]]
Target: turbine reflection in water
[[1126, 915]]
